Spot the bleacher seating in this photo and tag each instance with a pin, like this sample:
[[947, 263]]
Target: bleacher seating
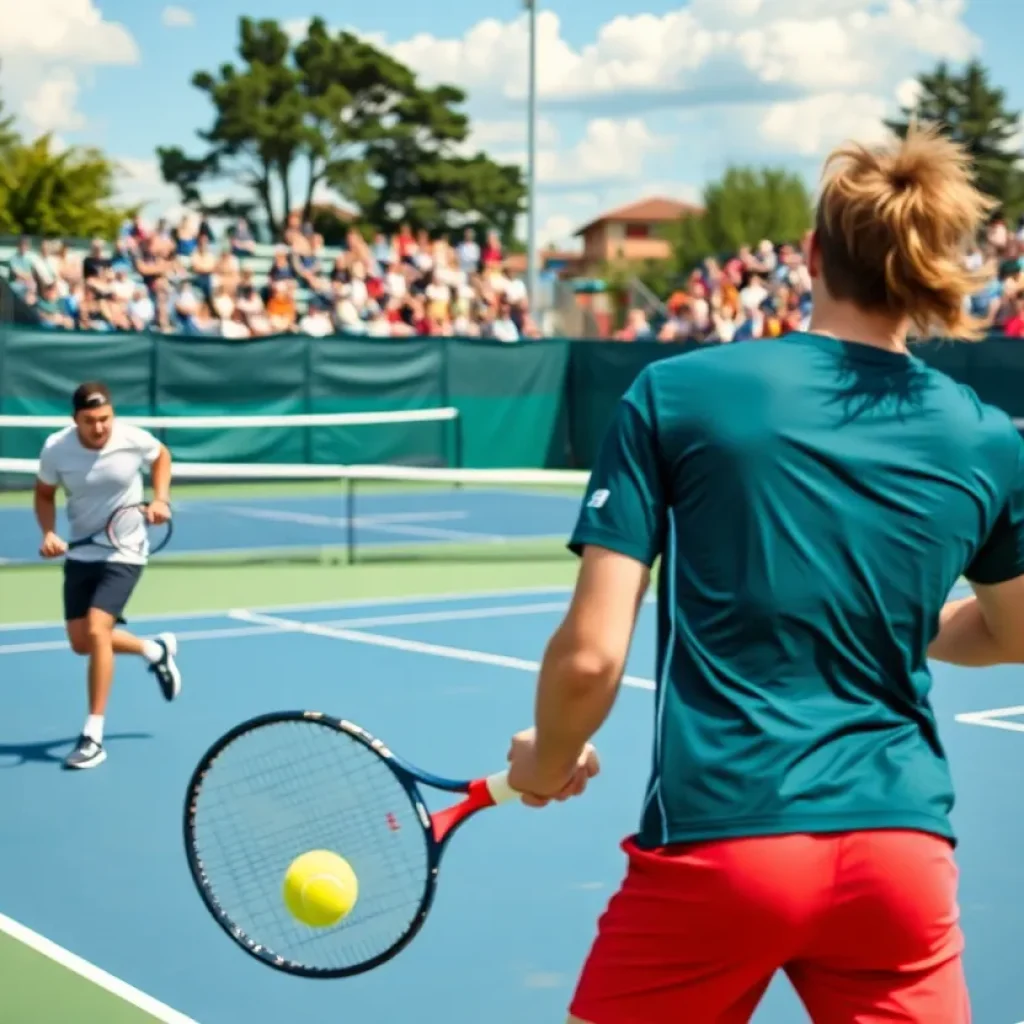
[[159, 280]]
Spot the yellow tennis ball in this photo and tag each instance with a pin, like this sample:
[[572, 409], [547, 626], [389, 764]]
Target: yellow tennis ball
[[320, 888]]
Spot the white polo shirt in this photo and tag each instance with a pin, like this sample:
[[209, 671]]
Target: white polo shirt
[[98, 482]]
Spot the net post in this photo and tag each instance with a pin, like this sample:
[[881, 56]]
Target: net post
[[350, 518], [459, 442]]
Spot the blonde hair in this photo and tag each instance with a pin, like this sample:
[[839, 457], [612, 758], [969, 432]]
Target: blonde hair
[[894, 224]]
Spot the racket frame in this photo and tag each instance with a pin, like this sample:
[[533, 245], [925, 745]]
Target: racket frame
[[108, 533], [438, 828]]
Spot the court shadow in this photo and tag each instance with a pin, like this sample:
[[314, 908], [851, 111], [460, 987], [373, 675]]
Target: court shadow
[[14, 755]]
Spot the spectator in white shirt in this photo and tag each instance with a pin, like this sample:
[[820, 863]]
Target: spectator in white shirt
[[317, 321], [469, 253], [504, 327], [141, 309]]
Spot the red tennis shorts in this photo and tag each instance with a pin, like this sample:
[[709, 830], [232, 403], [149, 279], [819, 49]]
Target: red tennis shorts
[[865, 924]]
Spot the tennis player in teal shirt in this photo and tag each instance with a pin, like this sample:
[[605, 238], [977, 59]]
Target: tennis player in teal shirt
[[813, 500]]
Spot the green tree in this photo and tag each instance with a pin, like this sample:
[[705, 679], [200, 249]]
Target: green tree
[[333, 110], [8, 134], [969, 109], [68, 192], [745, 206]]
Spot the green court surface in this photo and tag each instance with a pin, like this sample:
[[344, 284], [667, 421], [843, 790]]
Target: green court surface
[[44, 984]]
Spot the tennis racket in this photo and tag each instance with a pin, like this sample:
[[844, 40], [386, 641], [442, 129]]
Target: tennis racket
[[129, 531], [285, 783]]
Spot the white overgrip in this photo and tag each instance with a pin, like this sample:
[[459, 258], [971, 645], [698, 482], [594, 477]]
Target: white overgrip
[[501, 792]]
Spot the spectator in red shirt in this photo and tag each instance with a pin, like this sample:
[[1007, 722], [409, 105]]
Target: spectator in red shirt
[[492, 250], [1014, 327]]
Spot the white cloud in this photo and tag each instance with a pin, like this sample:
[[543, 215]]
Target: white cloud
[[908, 92], [45, 49], [609, 151], [557, 231], [812, 125], [51, 107], [497, 135], [706, 50], [139, 182], [177, 17]]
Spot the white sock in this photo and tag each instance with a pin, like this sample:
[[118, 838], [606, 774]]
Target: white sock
[[94, 728], [152, 651]]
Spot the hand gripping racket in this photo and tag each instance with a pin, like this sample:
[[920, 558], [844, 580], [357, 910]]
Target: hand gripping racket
[[129, 531], [286, 783]]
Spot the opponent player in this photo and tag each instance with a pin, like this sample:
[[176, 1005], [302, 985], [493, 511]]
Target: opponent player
[[97, 461], [813, 499]]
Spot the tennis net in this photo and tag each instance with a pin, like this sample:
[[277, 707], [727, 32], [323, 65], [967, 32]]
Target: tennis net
[[228, 513], [414, 437]]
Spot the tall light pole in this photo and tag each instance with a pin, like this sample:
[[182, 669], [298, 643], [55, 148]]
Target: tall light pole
[[531, 156]]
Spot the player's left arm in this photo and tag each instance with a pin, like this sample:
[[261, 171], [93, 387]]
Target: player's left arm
[[988, 628], [619, 535], [157, 457], [160, 475], [160, 478]]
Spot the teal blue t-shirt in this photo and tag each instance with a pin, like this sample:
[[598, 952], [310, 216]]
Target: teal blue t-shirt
[[813, 502]]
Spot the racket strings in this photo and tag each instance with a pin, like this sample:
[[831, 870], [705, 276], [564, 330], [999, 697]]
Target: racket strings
[[129, 530], [280, 791]]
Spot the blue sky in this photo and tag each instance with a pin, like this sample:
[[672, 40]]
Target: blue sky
[[638, 97]]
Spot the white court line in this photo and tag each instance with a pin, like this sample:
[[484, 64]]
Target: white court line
[[421, 618], [309, 606], [313, 519], [994, 719], [409, 619], [379, 524], [412, 646], [115, 986], [38, 646], [464, 614]]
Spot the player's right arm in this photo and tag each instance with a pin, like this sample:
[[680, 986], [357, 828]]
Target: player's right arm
[[45, 506], [988, 628], [619, 535]]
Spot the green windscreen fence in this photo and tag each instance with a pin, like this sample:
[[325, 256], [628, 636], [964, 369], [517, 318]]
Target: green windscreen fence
[[39, 370], [511, 398], [539, 404]]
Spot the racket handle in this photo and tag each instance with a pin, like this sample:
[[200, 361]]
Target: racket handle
[[501, 792]]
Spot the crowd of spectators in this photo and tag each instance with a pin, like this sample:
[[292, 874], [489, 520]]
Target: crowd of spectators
[[180, 280], [759, 293], [766, 292]]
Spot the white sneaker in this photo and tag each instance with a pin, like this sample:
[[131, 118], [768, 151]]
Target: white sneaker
[[166, 670], [87, 754]]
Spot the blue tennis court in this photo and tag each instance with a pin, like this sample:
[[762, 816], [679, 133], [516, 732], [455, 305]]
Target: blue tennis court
[[94, 862], [276, 520]]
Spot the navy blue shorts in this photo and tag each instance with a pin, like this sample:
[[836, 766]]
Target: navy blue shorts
[[104, 585]]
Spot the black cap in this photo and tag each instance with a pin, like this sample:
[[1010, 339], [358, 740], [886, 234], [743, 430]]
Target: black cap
[[93, 394]]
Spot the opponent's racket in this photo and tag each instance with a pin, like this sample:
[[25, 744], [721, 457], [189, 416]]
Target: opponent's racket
[[129, 531], [286, 783]]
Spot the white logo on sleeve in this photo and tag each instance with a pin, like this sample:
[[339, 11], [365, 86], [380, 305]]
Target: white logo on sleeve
[[598, 499]]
